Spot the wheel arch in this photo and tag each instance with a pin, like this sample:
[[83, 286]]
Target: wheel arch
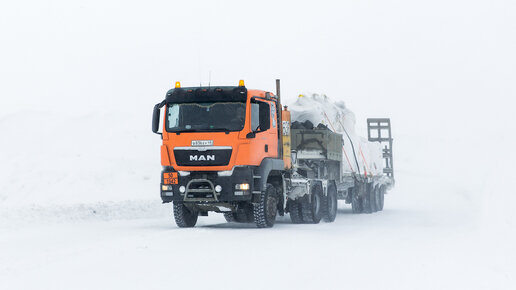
[[277, 180], [328, 185], [270, 169]]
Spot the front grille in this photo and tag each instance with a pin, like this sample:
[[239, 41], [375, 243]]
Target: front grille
[[193, 157]]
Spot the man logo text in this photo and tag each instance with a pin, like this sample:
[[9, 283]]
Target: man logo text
[[202, 157]]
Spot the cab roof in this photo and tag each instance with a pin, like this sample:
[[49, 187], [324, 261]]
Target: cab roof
[[206, 94], [213, 94]]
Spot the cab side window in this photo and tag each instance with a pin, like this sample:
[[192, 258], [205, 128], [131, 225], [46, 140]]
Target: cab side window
[[273, 115], [260, 116]]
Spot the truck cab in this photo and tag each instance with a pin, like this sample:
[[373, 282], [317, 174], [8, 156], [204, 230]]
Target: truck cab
[[221, 152]]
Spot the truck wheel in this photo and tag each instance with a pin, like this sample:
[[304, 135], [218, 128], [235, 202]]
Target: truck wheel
[[265, 211], [330, 204], [296, 215], [230, 217], [185, 218], [356, 202], [312, 211], [236, 217], [248, 213], [243, 215]]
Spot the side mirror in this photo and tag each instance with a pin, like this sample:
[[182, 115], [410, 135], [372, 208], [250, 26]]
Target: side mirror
[[250, 135], [155, 119]]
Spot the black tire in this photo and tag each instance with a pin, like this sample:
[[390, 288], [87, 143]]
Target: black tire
[[237, 217], [244, 214], [296, 215], [372, 198], [247, 214], [265, 211], [312, 211], [380, 198], [330, 204], [356, 201], [377, 198], [185, 218], [230, 217], [367, 201]]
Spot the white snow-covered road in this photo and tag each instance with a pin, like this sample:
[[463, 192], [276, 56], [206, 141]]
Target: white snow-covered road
[[409, 245], [94, 221]]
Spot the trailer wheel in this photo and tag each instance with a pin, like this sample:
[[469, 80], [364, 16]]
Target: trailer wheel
[[265, 210], [296, 215], [377, 191], [185, 217], [368, 201], [372, 197], [356, 202], [380, 198], [312, 211], [330, 204]]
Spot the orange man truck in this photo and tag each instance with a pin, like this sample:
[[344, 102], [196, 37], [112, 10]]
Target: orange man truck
[[228, 149]]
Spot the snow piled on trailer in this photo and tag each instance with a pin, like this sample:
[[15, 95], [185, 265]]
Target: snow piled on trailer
[[320, 109]]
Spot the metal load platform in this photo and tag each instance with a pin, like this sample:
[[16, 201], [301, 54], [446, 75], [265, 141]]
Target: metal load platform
[[317, 141]]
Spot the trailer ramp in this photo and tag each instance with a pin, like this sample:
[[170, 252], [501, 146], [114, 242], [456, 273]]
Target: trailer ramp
[[379, 130]]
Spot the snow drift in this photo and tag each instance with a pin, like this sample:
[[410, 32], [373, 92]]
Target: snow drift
[[361, 156]]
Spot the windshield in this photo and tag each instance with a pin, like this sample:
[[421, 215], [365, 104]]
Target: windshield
[[199, 117]]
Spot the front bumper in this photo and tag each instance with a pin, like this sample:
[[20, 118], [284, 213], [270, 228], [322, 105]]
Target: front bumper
[[200, 186]]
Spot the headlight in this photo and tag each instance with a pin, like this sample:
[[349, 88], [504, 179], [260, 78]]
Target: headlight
[[182, 189], [242, 186], [218, 188], [166, 187]]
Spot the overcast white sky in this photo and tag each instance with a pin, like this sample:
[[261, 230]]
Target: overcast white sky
[[403, 59]]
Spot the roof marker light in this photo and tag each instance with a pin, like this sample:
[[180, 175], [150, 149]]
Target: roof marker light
[[178, 85], [241, 83]]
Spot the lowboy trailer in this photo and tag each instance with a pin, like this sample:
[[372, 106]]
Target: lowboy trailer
[[235, 151]]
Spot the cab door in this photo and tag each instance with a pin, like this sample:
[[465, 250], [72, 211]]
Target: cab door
[[264, 126]]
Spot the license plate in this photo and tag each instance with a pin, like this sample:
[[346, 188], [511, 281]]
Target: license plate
[[202, 142], [170, 178]]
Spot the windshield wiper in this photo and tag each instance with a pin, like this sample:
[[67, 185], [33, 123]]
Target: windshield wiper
[[185, 131], [219, 129], [225, 130]]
